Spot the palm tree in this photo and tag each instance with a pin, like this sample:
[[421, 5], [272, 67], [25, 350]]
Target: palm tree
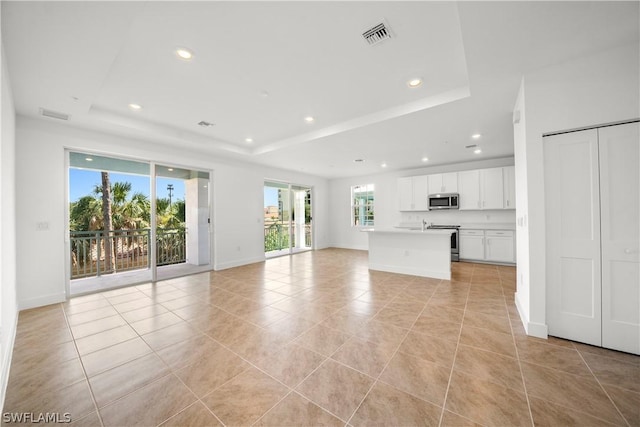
[[109, 256], [85, 214]]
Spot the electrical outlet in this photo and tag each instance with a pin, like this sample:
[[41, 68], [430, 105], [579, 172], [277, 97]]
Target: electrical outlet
[[42, 226]]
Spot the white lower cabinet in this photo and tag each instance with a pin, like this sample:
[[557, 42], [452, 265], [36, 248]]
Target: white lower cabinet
[[487, 245], [499, 246], [472, 244]]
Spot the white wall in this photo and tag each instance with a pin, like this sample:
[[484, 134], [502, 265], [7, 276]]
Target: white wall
[[41, 176], [8, 306], [386, 203], [592, 90], [522, 209]]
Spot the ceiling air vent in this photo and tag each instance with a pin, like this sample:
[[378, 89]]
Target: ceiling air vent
[[377, 34], [53, 114], [205, 124]]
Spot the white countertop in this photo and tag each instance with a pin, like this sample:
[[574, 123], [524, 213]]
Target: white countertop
[[489, 226], [470, 226], [406, 230]]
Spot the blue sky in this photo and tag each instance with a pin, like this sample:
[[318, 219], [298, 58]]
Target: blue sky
[[82, 183], [270, 196]]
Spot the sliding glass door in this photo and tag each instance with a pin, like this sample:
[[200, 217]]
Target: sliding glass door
[[182, 221], [126, 228], [287, 218], [109, 222]]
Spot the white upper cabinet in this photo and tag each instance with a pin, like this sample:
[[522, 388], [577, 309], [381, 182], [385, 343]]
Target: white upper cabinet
[[420, 193], [405, 193], [491, 188], [443, 183], [481, 189], [412, 193], [509, 176], [469, 189]]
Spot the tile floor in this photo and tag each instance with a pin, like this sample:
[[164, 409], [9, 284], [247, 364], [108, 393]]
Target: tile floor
[[313, 339]]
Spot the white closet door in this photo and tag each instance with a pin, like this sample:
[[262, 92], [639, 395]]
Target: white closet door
[[573, 236], [620, 225]]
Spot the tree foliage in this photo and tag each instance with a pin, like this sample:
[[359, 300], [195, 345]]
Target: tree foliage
[[129, 211]]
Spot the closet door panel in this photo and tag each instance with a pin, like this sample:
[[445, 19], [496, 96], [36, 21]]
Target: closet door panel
[[572, 206], [619, 151]]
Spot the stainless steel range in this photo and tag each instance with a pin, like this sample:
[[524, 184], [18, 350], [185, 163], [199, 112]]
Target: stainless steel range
[[455, 248]]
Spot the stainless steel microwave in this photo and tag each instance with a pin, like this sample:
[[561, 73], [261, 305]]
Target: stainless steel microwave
[[443, 201]]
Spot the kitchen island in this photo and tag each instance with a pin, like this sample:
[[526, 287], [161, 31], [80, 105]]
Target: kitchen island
[[419, 253]]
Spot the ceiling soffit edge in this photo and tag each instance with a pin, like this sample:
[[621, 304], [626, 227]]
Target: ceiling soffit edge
[[369, 119]]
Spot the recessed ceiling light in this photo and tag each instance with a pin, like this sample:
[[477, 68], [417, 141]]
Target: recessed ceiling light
[[476, 136], [425, 159], [184, 53], [414, 83], [170, 169], [309, 119], [477, 151], [384, 165], [135, 107], [89, 159], [248, 140]]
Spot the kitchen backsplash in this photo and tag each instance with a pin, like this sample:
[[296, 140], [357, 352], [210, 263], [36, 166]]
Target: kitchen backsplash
[[460, 217]]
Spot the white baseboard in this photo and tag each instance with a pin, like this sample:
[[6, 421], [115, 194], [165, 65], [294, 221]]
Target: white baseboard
[[42, 301], [411, 271], [238, 263], [534, 329], [6, 359], [348, 246], [539, 330]]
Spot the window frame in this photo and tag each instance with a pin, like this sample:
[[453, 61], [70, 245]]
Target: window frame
[[365, 204]]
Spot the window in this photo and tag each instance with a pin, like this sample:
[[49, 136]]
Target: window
[[362, 205]]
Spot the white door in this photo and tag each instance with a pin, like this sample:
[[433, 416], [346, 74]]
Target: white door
[[491, 184], [572, 203], [619, 149], [469, 189]]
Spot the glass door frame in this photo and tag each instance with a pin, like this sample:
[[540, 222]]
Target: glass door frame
[[153, 277], [290, 187]]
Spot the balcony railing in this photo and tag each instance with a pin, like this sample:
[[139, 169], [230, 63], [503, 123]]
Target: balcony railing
[[129, 250], [276, 236]]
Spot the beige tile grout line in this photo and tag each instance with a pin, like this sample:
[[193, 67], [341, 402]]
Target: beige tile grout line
[[603, 389], [293, 389], [86, 377], [153, 351], [393, 355], [455, 354], [513, 338], [525, 384], [172, 371]]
